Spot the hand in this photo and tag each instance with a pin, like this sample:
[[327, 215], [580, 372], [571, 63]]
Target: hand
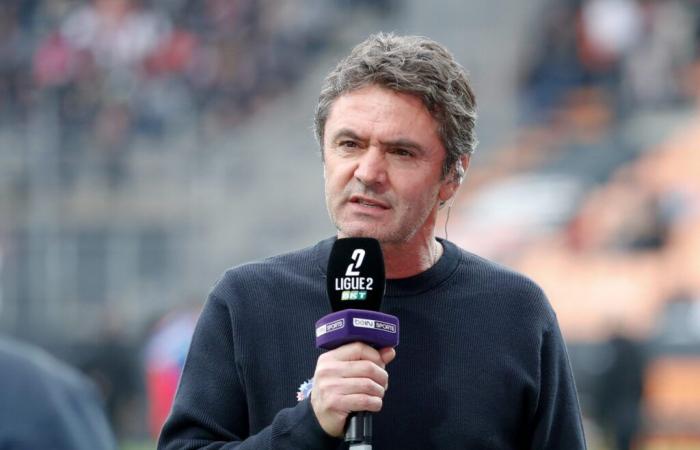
[[349, 378]]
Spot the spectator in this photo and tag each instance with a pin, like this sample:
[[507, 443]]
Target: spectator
[[47, 404], [165, 353], [620, 391], [653, 69]]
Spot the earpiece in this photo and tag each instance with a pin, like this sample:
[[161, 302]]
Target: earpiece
[[457, 179], [453, 183], [459, 172]]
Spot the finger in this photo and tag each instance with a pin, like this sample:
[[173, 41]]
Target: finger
[[351, 369], [333, 370], [350, 386], [355, 351], [363, 369], [360, 402]]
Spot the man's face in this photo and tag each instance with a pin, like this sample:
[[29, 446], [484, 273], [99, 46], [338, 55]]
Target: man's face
[[383, 166]]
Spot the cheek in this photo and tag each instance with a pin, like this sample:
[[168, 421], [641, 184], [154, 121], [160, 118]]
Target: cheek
[[423, 190], [431, 196], [333, 181], [337, 174], [329, 177]]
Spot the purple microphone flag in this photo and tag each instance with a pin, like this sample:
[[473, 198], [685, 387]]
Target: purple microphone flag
[[351, 325]]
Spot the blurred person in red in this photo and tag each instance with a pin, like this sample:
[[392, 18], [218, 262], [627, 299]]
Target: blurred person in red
[[166, 350]]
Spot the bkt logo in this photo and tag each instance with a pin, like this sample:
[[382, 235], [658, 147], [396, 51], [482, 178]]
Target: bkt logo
[[353, 295]]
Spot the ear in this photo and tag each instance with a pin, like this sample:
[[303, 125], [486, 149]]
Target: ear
[[453, 179]]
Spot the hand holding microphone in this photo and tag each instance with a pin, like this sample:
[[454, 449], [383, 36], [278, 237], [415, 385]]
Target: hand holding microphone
[[352, 375], [350, 378]]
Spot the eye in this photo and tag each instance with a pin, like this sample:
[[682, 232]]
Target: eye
[[405, 153], [347, 144]]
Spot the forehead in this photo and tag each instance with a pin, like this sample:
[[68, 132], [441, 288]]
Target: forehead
[[377, 110]]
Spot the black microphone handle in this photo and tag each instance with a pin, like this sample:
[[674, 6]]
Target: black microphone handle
[[359, 430]]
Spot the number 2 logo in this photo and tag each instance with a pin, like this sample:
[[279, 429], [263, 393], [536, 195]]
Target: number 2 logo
[[357, 256]]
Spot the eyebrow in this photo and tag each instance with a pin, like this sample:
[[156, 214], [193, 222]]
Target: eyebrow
[[401, 142], [345, 132]]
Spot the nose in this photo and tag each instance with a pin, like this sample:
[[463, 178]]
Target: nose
[[371, 168]]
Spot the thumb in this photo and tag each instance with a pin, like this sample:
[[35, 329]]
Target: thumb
[[387, 354]]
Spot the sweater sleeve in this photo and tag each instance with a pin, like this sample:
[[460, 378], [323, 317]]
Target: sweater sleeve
[[210, 409], [557, 420]]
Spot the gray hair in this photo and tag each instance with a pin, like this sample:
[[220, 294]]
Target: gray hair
[[414, 65]]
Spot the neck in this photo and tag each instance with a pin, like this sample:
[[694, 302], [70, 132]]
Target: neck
[[405, 260]]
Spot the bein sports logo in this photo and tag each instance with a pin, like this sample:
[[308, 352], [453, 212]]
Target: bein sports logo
[[330, 327], [359, 322]]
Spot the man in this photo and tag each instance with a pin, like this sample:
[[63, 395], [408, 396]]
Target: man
[[47, 404], [482, 364]]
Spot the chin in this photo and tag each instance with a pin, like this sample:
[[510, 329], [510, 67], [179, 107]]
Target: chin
[[346, 233], [360, 230], [379, 233]]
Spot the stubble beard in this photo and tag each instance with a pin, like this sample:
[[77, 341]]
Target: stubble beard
[[399, 233]]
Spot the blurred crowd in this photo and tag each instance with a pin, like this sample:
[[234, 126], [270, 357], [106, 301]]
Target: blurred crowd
[[639, 51], [608, 160], [111, 71]]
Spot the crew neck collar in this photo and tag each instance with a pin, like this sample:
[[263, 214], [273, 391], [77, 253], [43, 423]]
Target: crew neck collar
[[413, 285]]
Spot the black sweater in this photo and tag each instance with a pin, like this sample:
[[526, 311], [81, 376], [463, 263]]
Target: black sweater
[[481, 363]]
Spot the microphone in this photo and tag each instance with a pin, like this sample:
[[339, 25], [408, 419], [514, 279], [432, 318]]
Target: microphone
[[355, 282]]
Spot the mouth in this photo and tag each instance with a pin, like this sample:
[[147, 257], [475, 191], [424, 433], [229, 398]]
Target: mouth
[[368, 202]]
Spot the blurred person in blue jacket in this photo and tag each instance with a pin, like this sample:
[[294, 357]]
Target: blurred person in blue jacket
[[46, 404]]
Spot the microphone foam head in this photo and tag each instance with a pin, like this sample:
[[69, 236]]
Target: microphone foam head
[[355, 277]]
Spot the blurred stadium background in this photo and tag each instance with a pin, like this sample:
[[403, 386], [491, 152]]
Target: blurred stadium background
[[145, 146]]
